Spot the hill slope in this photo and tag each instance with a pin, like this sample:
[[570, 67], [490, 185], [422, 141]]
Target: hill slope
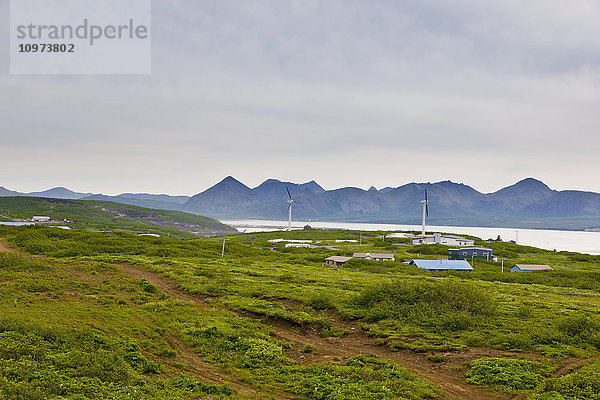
[[104, 215]]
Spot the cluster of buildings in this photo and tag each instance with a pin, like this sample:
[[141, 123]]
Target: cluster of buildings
[[457, 260], [40, 219]]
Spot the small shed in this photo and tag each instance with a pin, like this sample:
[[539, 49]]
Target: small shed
[[530, 267], [305, 245], [307, 227], [443, 265], [337, 261], [375, 256], [471, 252]]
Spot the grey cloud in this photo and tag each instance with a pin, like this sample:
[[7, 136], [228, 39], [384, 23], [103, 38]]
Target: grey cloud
[[344, 92]]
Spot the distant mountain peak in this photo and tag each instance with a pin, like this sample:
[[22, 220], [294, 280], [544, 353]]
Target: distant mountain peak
[[7, 192], [530, 181], [59, 192], [230, 178], [271, 180], [231, 182], [529, 185], [298, 187], [373, 189], [313, 186]]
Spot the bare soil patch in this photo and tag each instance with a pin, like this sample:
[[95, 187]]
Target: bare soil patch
[[7, 248]]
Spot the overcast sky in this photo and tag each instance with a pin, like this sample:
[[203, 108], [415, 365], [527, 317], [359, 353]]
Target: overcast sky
[[348, 93]]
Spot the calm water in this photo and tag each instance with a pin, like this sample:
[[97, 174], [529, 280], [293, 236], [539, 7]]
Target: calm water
[[583, 242], [16, 223]]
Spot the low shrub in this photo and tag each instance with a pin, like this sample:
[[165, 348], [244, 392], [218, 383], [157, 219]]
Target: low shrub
[[436, 358], [506, 373]]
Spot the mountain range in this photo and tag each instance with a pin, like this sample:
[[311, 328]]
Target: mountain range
[[527, 204]]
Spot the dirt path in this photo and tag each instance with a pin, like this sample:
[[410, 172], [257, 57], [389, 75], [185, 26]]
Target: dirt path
[[206, 372], [7, 248], [569, 365], [355, 343]]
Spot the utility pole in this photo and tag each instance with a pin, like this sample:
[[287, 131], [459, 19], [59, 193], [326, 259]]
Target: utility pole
[[223, 250], [502, 266]]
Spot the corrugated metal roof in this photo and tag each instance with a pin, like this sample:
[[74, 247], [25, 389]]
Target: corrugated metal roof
[[473, 248], [373, 255], [462, 265], [532, 267], [338, 258]]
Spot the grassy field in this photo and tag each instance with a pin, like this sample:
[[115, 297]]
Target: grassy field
[[273, 322]]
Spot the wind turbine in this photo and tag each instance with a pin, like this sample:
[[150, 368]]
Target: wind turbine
[[290, 202], [425, 212]]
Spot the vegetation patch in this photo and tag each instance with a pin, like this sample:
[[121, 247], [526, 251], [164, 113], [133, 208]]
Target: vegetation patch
[[40, 362], [273, 309], [511, 374], [17, 262], [446, 305], [581, 385], [362, 377]]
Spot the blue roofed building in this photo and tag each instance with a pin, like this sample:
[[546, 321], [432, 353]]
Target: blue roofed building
[[443, 265]]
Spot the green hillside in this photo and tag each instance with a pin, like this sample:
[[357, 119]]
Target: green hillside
[[119, 316], [107, 216]]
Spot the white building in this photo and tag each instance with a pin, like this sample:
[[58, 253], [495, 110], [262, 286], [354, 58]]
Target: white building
[[38, 218], [375, 256], [438, 238], [306, 245], [288, 241]]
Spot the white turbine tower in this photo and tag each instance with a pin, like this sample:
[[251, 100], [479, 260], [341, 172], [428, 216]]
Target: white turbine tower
[[290, 202], [425, 212]]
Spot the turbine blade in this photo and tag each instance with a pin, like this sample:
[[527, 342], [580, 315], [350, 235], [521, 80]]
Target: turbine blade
[[427, 210], [425, 195], [288, 190]]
